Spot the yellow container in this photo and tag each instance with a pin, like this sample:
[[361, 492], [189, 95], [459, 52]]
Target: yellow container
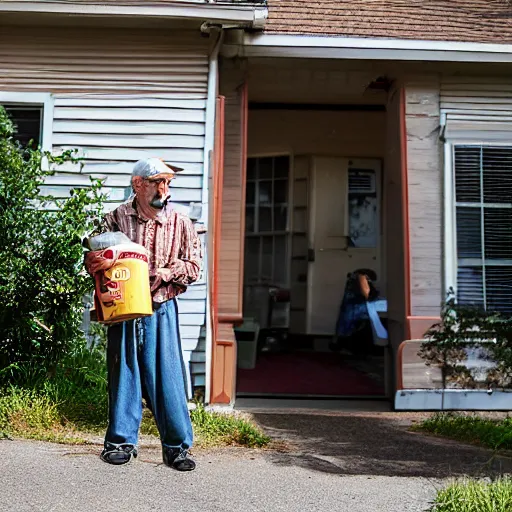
[[122, 292]]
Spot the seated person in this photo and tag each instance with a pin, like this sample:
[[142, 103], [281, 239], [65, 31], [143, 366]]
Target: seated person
[[353, 329]]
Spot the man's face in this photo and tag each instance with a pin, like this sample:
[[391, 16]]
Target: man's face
[[153, 192]]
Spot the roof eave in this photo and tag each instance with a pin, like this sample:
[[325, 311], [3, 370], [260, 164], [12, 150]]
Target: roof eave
[[244, 15], [335, 47]]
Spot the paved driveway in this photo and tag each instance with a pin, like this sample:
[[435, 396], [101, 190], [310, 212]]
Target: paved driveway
[[373, 444]]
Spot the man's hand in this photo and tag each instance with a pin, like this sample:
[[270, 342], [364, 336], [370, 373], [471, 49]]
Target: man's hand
[[94, 262], [161, 275]]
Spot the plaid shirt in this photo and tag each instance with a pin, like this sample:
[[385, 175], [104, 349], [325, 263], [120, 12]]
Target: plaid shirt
[[171, 241]]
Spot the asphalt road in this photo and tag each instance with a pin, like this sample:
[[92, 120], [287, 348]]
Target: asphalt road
[[331, 462], [44, 477]]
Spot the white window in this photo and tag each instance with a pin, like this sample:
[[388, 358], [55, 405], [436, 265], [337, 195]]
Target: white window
[[266, 220], [481, 212], [266, 237], [32, 113]]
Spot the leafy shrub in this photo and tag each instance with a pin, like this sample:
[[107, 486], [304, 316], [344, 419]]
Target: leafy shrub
[[42, 281], [464, 327]]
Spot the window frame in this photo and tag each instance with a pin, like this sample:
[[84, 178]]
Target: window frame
[[286, 233], [450, 204], [35, 99]]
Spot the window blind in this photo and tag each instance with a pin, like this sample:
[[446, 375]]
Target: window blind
[[483, 195]]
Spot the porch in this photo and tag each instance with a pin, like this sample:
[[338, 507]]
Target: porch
[[313, 190]]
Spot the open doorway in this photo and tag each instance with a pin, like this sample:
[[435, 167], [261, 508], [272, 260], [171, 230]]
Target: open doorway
[[313, 226]]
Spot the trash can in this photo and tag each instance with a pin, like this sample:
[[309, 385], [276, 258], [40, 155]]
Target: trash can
[[247, 343]]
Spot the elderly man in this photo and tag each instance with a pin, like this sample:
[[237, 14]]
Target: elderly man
[[144, 356]]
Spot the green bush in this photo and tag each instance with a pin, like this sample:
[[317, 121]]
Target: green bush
[[42, 281], [52, 386], [462, 327]]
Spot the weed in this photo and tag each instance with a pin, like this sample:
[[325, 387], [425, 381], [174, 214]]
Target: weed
[[215, 428], [474, 495], [26, 413], [148, 425], [73, 399], [39, 414], [495, 434]]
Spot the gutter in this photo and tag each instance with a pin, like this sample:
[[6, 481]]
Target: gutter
[[249, 15], [334, 47]]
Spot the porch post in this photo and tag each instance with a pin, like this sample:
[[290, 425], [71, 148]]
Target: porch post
[[422, 200], [423, 180], [229, 260]]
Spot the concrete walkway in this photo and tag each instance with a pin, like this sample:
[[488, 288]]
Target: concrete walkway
[[325, 460]]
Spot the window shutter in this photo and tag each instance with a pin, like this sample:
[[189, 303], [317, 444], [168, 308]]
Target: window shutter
[[483, 195]]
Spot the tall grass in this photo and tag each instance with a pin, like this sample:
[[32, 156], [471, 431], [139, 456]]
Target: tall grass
[[33, 415], [212, 428], [495, 434], [475, 496], [55, 404], [72, 400]]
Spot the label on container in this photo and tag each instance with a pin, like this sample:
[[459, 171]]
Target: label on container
[[118, 273], [111, 292], [132, 255], [115, 291]]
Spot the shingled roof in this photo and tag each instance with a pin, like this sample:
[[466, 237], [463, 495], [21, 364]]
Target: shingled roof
[[485, 21]]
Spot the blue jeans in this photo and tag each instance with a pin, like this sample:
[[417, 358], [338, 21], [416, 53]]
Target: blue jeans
[[144, 359]]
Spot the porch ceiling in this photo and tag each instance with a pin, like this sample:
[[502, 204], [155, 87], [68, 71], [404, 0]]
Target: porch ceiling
[[307, 81]]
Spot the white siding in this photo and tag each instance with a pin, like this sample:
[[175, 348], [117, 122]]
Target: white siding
[[119, 96], [90, 60], [477, 108], [476, 94], [109, 152]]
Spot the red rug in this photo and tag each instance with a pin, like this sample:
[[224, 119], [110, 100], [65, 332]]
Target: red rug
[[305, 373]]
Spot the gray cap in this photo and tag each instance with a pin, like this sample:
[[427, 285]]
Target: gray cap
[[151, 167]]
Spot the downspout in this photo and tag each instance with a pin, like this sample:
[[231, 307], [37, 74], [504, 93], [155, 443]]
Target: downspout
[[260, 14], [449, 223], [213, 72], [449, 249]]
